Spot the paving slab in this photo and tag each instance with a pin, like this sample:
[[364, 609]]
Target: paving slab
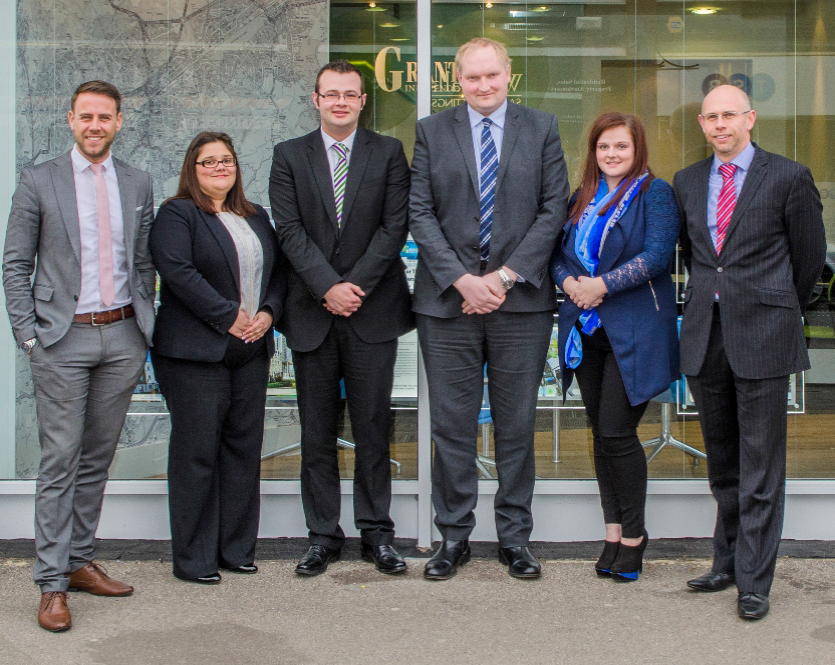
[[352, 614]]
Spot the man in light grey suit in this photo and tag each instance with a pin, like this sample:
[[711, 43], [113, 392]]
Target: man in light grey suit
[[80, 223], [488, 199], [753, 242]]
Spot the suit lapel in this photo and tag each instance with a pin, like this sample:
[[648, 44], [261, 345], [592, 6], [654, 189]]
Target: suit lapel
[[511, 132], [360, 153], [63, 179], [226, 244], [127, 194], [464, 134], [697, 214], [759, 166], [322, 173]]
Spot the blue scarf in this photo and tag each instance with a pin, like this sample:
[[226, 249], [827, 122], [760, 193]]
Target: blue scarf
[[592, 230]]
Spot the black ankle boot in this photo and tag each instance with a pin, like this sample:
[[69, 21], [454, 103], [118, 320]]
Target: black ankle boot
[[604, 563], [630, 561]]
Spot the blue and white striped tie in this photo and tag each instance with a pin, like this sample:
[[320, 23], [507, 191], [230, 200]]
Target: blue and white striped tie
[[487, 180], [340, 175]]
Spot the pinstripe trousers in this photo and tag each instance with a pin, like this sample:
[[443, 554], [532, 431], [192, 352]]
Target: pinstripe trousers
[[744, 427]]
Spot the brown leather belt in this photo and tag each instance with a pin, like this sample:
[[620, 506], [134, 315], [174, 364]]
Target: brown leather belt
[[103, 318]]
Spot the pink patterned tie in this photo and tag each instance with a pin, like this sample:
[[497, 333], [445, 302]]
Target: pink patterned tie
[[106, 287], [727, 203]]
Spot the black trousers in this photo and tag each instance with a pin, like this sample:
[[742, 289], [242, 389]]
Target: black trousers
[[514, 346], [214, 457], [619, 459], [744, 427], [368, 372]]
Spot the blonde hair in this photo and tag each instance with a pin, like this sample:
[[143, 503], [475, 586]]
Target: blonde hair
[[482, 42]]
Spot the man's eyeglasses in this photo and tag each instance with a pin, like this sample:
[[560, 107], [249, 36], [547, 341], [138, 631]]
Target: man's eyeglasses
[[333, 97], [212, 163], [727, 116]]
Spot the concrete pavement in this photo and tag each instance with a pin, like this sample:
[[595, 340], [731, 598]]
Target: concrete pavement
[[352, 614]]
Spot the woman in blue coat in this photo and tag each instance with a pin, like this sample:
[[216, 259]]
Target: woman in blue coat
[[617, 326]]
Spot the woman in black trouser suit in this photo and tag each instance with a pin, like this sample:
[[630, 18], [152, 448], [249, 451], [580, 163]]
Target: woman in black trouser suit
[[221, 289], [617, 326]]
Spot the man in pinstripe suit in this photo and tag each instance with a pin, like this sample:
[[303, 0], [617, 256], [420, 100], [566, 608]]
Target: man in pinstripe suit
[[753, 243]]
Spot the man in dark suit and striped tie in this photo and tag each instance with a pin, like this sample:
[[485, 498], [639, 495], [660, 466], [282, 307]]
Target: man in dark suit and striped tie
[[753, 243], [339, 199]]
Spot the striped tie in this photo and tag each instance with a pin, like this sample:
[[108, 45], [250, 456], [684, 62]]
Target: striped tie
[[340, 175], [727, 203], [487, 179]]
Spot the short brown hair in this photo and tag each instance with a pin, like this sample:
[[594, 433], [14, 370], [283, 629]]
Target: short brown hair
[[482, 42], [98, 88], [189, 188], [591, 171], [340, 67]]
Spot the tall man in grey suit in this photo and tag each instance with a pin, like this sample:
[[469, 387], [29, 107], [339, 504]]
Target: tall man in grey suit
[[488, 199], [339, 199], [753, 242], [80, 223]]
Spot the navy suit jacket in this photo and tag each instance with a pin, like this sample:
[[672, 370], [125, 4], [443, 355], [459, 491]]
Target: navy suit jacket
[[639, 312]]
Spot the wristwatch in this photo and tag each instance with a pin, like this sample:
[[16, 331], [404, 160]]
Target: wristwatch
[[507, 283], [28, 345]]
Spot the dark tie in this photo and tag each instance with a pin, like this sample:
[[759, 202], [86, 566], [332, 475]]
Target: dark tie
[[727, 203], [487, 179]]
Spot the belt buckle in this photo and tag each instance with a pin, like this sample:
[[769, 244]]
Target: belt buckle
[[93, 320]]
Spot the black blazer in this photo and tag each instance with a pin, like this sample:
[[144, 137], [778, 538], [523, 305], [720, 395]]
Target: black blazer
[[199, 291], [364, 251], [772, 256]]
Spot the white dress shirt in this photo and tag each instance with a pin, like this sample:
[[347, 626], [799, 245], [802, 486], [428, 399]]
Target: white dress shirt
[[89, 300], [496, 129]]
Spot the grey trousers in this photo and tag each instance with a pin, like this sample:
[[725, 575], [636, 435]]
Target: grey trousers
[[83, 384], [514, 346]]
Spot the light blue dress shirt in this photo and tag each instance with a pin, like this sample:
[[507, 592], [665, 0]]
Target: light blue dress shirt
[[743, 165], [496, 129]]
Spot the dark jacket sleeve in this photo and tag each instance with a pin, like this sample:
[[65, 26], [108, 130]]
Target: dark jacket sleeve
[[662, 228]]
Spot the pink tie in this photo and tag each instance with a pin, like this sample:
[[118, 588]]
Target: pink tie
[[106, 288], [727, 203]]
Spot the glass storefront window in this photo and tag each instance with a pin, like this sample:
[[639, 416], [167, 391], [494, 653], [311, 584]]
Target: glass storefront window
[[249, 71]]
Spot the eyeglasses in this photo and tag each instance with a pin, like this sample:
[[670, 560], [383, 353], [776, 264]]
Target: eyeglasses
[[212, 163], [333, 97], [727, 116]]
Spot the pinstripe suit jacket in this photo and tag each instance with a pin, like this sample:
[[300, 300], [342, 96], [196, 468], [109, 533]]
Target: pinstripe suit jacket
[[772, 256]]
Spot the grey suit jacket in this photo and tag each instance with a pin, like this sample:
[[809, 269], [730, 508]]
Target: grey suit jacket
[[530, 208], [43, 238], [772, 256]]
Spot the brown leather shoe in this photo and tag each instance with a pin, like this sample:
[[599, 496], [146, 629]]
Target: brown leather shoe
[[92, 578], [54, 614]]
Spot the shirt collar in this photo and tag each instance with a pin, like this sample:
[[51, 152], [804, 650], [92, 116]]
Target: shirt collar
[[742, 160], [80, 162], [496, 116], [330, 141]]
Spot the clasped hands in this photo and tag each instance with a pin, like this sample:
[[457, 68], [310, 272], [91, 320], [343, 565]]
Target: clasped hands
[[343, 299], [251, 330], [482, 295], [585, 292]]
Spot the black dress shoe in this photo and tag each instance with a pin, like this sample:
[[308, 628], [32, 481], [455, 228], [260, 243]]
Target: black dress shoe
[[316, 560], [444, 563], [251, 569], [520, 562], [214, 578], [752, 605], [384, 557], [712, 581]]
